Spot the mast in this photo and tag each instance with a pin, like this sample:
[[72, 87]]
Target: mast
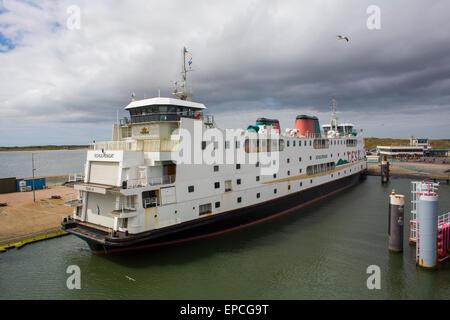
[[183, 94], [334, 117]]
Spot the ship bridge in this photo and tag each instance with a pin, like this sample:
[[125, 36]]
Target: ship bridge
[[162, 109]]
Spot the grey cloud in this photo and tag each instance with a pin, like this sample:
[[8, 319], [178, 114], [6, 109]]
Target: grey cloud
[[266, 56]]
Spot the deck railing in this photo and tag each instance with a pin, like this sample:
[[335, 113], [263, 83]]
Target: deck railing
[[444, 219], [123, 209], [141, 183], [149, 145]]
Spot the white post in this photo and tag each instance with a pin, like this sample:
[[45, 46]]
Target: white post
[[116, 223], [33, 169]]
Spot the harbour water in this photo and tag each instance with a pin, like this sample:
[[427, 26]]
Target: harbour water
[[319, 252], [18, 163]]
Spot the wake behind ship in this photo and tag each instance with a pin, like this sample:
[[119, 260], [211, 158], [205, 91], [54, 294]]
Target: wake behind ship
[[140, 191]]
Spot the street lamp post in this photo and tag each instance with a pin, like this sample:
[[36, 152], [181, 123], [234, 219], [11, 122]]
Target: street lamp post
[[32, 181]]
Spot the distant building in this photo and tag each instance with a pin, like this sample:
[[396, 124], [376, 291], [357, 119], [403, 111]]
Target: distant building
[[437, 153], [427, 149], [420, 142], [418, 148], [401, 152]]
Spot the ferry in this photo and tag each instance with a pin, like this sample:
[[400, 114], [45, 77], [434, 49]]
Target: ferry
[[170, 175]]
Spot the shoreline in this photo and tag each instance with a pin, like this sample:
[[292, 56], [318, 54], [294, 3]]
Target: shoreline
[[23, 223], [43, 150], [19, 242], [395, 172]]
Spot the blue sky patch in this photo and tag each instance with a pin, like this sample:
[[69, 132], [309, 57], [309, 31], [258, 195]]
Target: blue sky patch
[[55, 26], [5, 43]]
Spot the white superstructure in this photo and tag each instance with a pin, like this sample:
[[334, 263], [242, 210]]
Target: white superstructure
[[134, 183], [138, 182]]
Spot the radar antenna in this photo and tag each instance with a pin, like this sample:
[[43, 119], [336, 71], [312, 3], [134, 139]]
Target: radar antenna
[[182, 92]]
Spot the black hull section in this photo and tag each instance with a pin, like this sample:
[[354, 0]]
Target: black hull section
[[103, 242]]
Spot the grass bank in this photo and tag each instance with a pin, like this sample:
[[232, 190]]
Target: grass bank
[[372, 142]]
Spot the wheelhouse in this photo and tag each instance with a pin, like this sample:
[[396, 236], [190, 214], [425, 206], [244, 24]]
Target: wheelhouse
[[162, 109]]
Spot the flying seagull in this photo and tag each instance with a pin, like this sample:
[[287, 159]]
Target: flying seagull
[[342, 38]]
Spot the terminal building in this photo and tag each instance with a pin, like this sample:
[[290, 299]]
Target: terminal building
[[420, 142], [401, 152], [417, 149]]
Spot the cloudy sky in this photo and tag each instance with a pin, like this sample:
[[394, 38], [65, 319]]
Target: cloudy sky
[[60, 84]]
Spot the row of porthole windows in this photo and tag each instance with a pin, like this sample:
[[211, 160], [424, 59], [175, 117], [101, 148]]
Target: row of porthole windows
[[299, 143], [238, 166], [334, 142], [238, 145], [238, 200], [288, 160], [239, 181], [258, 195], [217, 184], [352, 142]]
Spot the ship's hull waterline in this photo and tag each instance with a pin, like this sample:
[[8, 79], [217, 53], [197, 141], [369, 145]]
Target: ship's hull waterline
[[101, 242]]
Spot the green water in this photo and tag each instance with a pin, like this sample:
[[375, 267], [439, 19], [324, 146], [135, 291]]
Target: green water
[[319, 252]]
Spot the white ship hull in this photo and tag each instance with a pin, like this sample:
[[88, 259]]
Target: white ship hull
[[139, 196]]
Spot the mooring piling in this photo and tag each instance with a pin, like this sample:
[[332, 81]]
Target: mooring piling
[[396, 215]]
